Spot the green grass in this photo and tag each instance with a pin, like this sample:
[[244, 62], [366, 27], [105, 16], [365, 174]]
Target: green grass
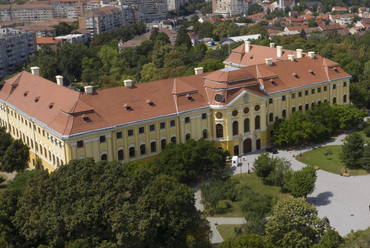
[[329, 163], [255, 183], [227, 231]]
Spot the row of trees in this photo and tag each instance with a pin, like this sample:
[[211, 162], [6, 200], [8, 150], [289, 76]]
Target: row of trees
[[108, 204], [14, 155], [315, 125], [355, 152]]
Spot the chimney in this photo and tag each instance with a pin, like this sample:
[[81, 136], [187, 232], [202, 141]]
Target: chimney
[[311, 55], [268, 61], [198, 70], [247, 46], [89, 90], [35, 70], [59, 80], [279, 50], [272, 45], [299, 53], [291, 57], [128, 83]]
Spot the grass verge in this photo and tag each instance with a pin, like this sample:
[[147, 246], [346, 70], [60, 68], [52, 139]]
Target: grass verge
[[227, 231]]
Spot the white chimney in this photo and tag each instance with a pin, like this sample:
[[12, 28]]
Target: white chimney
[[311, 55], [89, 90], [291, 57], [35, 70], [272, 45], [247, 46], [198, 70], [299, 53], [279, 50], [59, 80], [128, 83], [268, 61]]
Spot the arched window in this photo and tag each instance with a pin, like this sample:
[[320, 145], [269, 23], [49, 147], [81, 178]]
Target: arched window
[[153, 146], [163, 144], [344, 98], [271, 117], [142, 149], [284, 113], [235, 128], [300, 108], [120, 154], [334, 100], [293, 109], [246, 125], [187, 136], [132, 152], [173, 139], [307, 106], [257, 122], [104, 157], [219, 131], [205, 134], [319, 103]]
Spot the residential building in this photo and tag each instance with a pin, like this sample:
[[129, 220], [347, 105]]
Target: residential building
[[175, 4], [101, 20], [51, 42], [40, 30], [234, 107], [228, 8], [68, 8], [74, 38], [28, 13], [16, 46]]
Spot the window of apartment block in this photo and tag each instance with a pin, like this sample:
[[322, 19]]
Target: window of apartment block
[[132, 152], [271, 117], [345, 84], [204, 116], [325, 88], [152, 128], [306, 92], [283, 98], [153, 146], [319, 90], [205, 134], [270, 101], [162, 125], [119, 135], [120, 154], [80, 144], [163, 144], [312, 91], [141, 130], [142, 149], [344, 98], [130, 132], [172, 123], [300, 94], [102, 139], [187, 119], [334, 86], [293, 95]]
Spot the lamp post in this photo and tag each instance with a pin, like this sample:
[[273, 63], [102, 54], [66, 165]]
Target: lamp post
[[248, 169], [241, 173]]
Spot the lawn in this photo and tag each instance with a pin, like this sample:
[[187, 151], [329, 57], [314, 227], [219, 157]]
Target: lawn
[[329, 163], [254, 182], [227, 231]]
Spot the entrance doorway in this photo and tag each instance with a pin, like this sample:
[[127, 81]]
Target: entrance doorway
[[236, 150], [247, 146], [258, 144]]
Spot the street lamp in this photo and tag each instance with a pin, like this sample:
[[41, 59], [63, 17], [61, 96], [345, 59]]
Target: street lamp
[[248, 169]]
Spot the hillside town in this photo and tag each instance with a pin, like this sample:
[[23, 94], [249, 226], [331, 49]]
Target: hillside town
[[153, 123]]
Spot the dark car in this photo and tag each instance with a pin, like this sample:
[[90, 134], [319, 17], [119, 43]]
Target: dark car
[[272, 150]]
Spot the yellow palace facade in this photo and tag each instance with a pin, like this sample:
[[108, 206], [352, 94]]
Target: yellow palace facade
[[235, 108]]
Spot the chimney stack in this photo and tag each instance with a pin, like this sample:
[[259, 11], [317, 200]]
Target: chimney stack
[[268, 61], [59, 80], [128, 83], [299, 53], [198, 70], [272, 45], [291, 57], [311, 55], [279, 50], [35, 70], [89, 90], [247, 46]]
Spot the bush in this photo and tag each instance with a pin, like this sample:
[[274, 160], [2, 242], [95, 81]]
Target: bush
[[223, 206], [2, 179], [367, 131]]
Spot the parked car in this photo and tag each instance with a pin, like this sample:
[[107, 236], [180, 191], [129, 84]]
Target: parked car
[[272, 150]]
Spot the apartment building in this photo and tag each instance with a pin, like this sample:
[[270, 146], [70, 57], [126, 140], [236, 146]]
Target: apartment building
[[175, 4], [68, 8], [28, 13], [234, 107], [229, 8], [101, 20], [16, 46]]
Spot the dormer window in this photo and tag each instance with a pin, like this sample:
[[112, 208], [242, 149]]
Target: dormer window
[[150, 102], [219, 97], [189, 97], [295, 75], [272, 82], [37, 99], [128, 107], [336, 70], [311, 72], [85, 118], [51, 105], [25, 93]]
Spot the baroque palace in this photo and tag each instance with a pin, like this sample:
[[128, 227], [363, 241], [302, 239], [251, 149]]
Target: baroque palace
[[234, 107]]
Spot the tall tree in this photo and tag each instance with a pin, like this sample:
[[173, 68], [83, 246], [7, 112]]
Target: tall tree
[[183, 38], [263, 166], [294, 223], [247, 241], [5, 141], [16, 157], [302, 182], [352, 151]]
